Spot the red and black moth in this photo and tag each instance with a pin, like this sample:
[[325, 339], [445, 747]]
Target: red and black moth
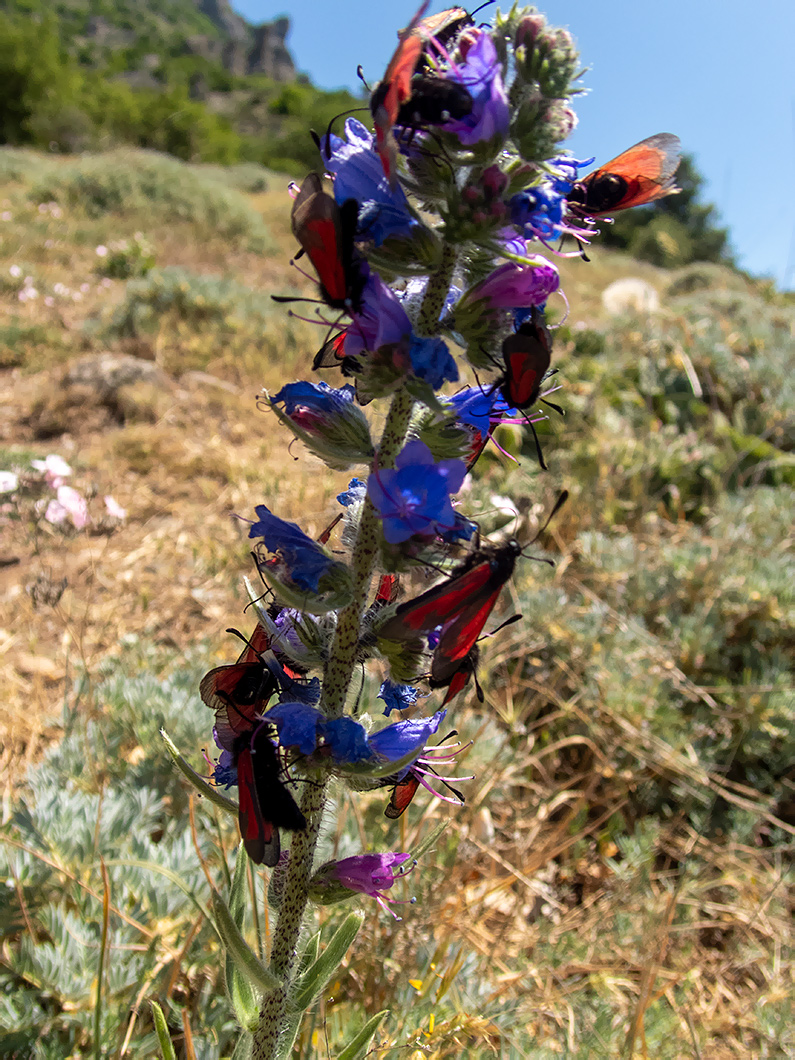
[[527, 354], [409, 93], [327, 234], [460, 605], [642, 174], [239, 694], [265, 804]]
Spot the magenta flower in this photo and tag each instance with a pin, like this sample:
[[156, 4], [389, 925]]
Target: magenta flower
[[370, 874], [515, 286]]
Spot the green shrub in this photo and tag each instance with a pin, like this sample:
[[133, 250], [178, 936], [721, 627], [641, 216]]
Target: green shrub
[[191, 297], [144, 183]]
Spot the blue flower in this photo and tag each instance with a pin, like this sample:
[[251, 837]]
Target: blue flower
[[310, 400], [306, 561], [296, 724], [414, 498], [346, 740], [432, 361], [479, 408], [540, 212], [404, 737], [398, 697], [354, 494], [481, 73], [225, 771], [359, 174]]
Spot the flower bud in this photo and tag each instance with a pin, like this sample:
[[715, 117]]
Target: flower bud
[[327, 421]]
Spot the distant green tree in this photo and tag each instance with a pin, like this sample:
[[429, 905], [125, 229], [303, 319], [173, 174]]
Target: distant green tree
[[37, 82], [674, 231]]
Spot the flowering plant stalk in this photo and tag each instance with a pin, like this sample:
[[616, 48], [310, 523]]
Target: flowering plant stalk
[[423, 234]]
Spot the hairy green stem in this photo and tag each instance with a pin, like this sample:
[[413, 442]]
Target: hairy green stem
[[436, 293], [336, 682]]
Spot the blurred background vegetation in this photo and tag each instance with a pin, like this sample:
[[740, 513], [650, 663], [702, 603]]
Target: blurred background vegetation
[[619, 882]]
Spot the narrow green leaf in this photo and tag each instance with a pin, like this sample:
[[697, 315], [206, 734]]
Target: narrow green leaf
[[244, 998], [243, 1048], [287, 1034], [239, 889], [161, 1028], [198, 782], [320, 972], [357, 1045], [310, 954], [239, 950], [429, 839]]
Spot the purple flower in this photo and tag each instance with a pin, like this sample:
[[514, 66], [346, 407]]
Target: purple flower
[[481, 74], [359, 174], [382, 320], [515, 286], [370, 874], [414, 498], [397, 697], [432, 361], [304, 558]]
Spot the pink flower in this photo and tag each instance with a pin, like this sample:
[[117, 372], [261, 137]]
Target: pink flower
[[114, 509], [55, 469], [68, 503]]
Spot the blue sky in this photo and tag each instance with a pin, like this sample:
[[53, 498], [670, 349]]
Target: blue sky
[[718, 73]]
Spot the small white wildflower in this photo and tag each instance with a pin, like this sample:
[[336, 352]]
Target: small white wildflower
[[8, 481], [15, 271], [101, 251]]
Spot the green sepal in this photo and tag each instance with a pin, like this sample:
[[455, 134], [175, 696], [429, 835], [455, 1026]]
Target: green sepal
[[197, 781], [246, 961], [308, 631], [341, 444], [334, 589], [318, 975], [358, 1044], [161, 1029], [244, 998]]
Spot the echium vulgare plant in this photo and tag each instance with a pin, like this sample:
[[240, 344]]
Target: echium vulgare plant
[[423, 232]]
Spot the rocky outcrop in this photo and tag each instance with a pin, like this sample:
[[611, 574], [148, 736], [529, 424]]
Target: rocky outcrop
[[247, 49]]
